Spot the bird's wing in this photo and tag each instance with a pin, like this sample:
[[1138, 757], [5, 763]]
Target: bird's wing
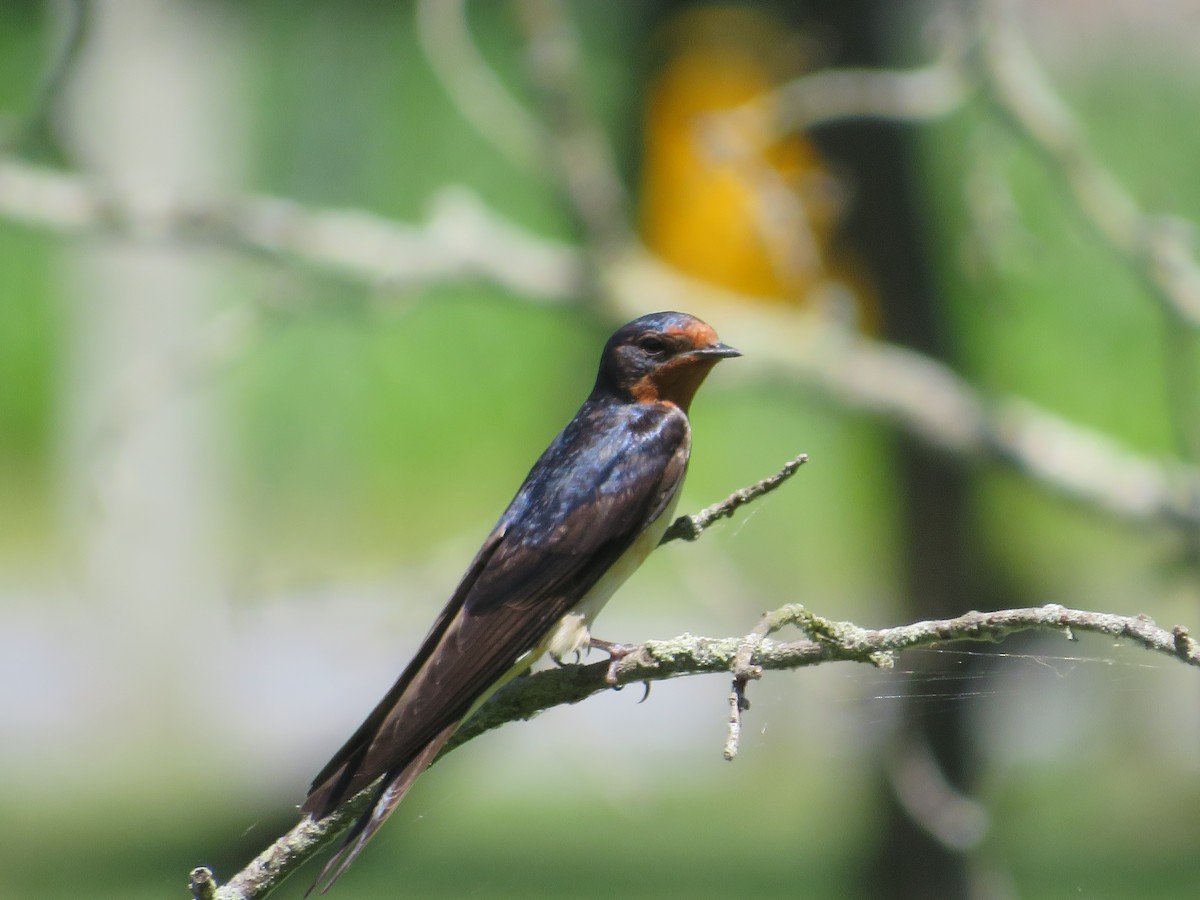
[[584, 503], [332, 784]]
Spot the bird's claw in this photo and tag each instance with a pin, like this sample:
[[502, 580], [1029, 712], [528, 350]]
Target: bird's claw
[[616, 652], [558, 660]]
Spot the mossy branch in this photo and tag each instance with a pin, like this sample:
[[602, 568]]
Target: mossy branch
[[745, 658], [826, 640]]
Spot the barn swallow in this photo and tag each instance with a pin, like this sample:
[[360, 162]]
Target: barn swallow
[[589, 512]]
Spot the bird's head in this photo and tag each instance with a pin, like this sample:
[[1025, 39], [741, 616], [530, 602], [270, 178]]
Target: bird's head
[[662, 357]]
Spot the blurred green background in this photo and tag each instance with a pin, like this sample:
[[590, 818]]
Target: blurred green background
[[222, 533]]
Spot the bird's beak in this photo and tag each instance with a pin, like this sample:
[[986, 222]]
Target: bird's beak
[[716, 351]]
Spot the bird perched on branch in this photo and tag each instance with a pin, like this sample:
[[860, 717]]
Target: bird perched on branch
[[589, 512]]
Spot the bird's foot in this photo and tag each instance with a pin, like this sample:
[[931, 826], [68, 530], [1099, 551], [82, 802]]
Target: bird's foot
[[616, 652]]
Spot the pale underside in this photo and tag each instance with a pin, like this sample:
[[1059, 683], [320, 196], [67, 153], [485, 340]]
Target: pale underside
[[573, 634]]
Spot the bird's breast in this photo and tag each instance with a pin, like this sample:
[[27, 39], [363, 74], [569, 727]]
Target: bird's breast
[[572, 633]]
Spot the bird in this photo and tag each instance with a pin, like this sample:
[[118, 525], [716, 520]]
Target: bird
[[591, 509]]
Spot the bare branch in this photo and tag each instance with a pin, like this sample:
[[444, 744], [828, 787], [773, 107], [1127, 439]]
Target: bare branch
[[942, 409], [578, 147], [688, 528], [743, 139], [835, 95], [1156, 248], [485, 103], [738, 704], [38, 137], [744, 668], [955, 820], [463, 239], [687, 655]]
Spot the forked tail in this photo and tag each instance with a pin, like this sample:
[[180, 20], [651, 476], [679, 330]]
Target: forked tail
[[387, 797]]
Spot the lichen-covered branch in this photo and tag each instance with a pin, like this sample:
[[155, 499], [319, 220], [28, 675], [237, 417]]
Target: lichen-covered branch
[[746, 670], [825, 641]]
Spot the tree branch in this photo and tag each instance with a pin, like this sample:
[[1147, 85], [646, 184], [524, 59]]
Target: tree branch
[[746, 670], [827, 96], [37, 135], [688, 528], [479, 95], [463, 239], [1156, 248], [827, 641], [578, 147]]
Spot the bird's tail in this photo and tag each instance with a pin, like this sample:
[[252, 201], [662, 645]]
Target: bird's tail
[[387, 797]]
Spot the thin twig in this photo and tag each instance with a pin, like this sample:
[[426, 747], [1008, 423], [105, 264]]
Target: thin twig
[[744, 668], [738, 704], [578, 147], [1156, 248], [38, 137], [835, 95], [744, 139], [688, 528], [485, 103], [955, 820]]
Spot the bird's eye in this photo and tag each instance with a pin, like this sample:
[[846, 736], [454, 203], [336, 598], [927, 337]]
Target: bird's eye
[[655, 346]]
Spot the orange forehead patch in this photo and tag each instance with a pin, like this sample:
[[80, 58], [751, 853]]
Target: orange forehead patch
[[697, 333]]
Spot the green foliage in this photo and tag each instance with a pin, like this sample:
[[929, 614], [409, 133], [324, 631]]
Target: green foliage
[[369, 428]]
